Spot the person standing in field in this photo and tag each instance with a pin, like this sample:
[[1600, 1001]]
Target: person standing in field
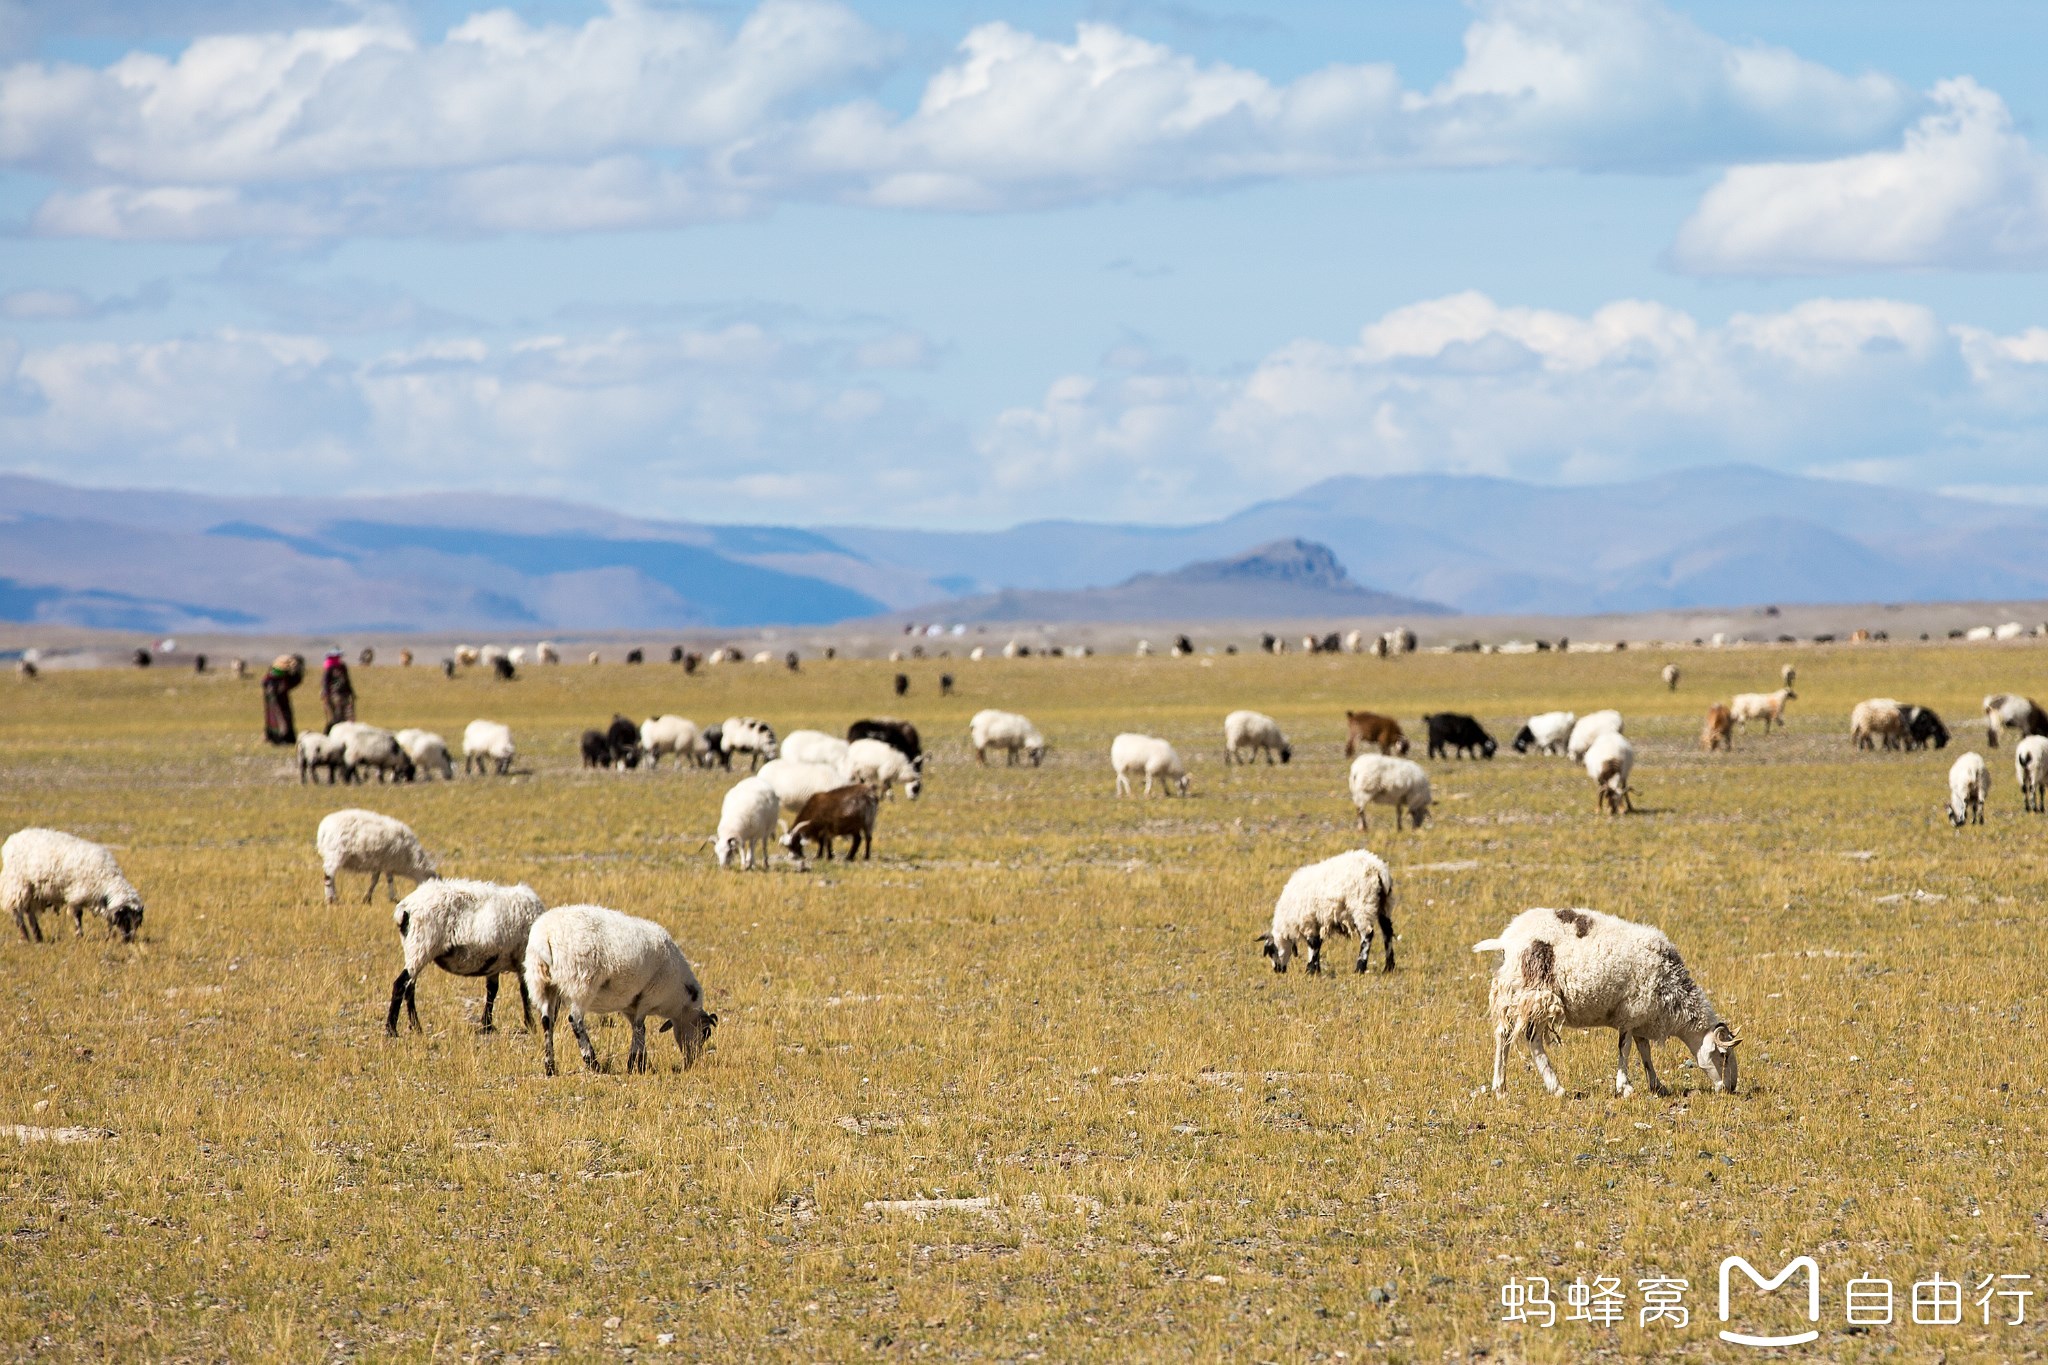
[[337, 693], [286, 672]]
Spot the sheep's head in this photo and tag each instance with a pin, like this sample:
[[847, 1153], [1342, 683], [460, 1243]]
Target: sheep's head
[[728, 847], [1488, 746], [1401, 746], [1273, 951], [1183, 782], [1524, 737], [1287, 753], [1716, 1056], [123, 910], [692, 1031], [912, 785], [1035, 749]]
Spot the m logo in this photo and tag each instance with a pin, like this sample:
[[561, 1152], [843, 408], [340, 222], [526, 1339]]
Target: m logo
[[1805, 1263]]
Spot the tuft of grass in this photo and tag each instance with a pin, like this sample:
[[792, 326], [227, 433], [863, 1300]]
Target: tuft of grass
[[1036, 995]]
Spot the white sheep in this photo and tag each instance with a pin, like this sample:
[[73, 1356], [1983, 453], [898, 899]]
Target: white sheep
[[487, 745], [2030, 762], [1589, 728], [881, 766], [795, 783], [1007, 732], [977, 654], [669, 734], [1582, 969], [1877, 720], [1247, 734], [585, 959], [814, 746], [1354, 641], [46, 869], [364, 841], [1144, 650], [368, 747], [1764, 706], [2010, 710], [1671, 677], [545, 652], [1547, 733], [1383, 780], [754, 738], [516, 656], [465, 655], [1133, 754], [1344, 896], [428, 752], [1013, 650], [747, 821], [466, 928], [489, 655], [1609, 762], [1969, 786], [318, 749]]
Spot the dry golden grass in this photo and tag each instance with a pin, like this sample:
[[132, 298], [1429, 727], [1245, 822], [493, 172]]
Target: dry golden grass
[[1034, 995]]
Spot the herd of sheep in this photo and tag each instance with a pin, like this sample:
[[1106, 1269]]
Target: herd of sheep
[[1559, 968]]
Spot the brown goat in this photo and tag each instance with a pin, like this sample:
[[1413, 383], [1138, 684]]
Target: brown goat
[[1719, 732], [1368, 728], [848, 810]]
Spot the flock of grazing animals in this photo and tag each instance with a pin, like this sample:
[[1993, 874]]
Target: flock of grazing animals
[[1559, 968]]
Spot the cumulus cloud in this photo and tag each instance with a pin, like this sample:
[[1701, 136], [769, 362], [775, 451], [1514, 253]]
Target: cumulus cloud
[[643, 116], [1964, 189], [741, 419], [671, 418], [1463, 384]]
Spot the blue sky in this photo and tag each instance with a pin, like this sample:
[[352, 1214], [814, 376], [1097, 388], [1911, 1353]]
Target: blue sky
[[968, 264]]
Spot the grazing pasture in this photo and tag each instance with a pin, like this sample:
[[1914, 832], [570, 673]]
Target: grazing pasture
[[1038, 1000]]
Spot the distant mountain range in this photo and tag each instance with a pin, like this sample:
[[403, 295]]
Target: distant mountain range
[[1286, 578], [1724, 536]]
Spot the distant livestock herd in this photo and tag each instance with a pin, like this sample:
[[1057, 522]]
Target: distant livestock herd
[[808, 790]]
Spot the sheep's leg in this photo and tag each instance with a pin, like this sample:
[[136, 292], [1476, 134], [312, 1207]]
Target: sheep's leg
[[1543, 1067], [397, 996], [391, 885], [1314, 965], [1361, 817], [490, 1002], [636, 1055], [329, 877], [525, 1002], [1657, 1087], [583, 1040], [78, 911], [1622, 1088], [370, 894], [547, 1028], [1503, 1034], [1386, 923], [1364, 963]]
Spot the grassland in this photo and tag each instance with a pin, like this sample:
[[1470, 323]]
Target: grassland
[[1034, 995]]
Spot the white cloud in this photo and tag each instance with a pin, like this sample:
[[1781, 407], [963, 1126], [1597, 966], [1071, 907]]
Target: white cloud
[[636, 418], [1963, 190], [1462, 384], [646, 116]]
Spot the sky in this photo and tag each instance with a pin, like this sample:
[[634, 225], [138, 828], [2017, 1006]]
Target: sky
[[960, 265]]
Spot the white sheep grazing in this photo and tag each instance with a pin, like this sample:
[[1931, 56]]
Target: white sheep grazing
[[585, 959], [755, 738], [1383, 780], [428, 752], [1879, 720], [1133, 754], [673, 735], [594, 658], [977, 654], [1344, 896], [364, 841], [814, 746], [516, 656], [1609, 762], [1547, 733], [795, 783], [1969, 786], [487, 745], [317, 749], [1354, 641], [1247, 734], [46, 869], [1007, 732], [2030, 762], [1144, 650], [368, 747], [881, 766], [746, 821], [1764, 706], [1671, 677], [545, 652], [465, 928], [2010, 710], [1589, 728], [1582, 969]]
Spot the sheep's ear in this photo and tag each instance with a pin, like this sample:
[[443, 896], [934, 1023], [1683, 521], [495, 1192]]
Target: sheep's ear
[[668, 1025]]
